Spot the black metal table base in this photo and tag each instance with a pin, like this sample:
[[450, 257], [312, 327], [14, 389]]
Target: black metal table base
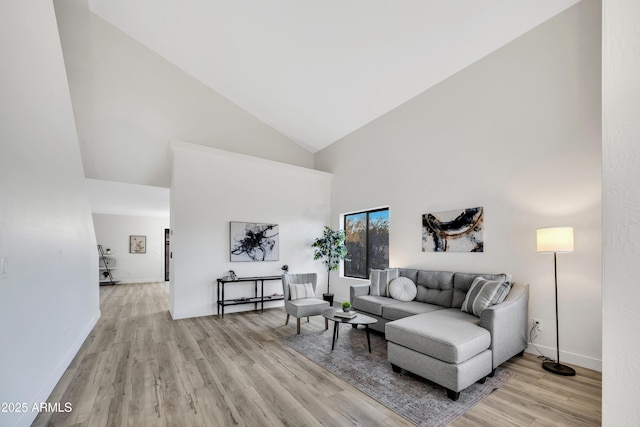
[[336, 334]]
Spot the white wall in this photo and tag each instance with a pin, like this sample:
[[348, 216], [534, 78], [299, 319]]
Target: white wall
[[621, 222], [129, 103], [518, 133], [212, 187], [113, 231], [49, 299]]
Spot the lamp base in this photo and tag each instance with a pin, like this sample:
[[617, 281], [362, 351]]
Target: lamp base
[[558, 369]]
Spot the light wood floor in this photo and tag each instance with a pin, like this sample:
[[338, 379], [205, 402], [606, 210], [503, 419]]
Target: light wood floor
[[140, 368]]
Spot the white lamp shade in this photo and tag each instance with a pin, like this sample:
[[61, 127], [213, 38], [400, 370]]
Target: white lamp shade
[[555, 239]]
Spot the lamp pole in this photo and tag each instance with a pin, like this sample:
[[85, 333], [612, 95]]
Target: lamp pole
[[557, 367]]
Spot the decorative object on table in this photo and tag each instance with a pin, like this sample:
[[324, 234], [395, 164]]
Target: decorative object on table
[[138, 244], [346, 306], [453, 231], [345, 314], [285, 269], [231, 276], [331, 249], [108, 251], [421, 401], [251, 241], [556, 240]]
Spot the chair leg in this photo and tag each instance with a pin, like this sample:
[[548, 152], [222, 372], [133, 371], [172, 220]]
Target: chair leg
[[326, 323], [287, 321], [307, 319], [298, 325]]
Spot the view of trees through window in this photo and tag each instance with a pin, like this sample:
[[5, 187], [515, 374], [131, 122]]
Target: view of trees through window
[[367, 242]]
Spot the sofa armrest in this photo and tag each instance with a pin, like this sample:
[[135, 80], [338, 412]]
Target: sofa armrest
[[507, 323], [358, 290]]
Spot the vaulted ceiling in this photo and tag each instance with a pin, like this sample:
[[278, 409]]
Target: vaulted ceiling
[[318, 70]]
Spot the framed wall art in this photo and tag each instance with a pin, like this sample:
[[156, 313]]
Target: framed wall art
[[137, 244], [254, 242], [453, 231]]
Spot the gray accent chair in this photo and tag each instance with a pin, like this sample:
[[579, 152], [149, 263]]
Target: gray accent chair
[[304, 307]]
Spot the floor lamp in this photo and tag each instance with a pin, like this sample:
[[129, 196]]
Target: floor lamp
[[554, 240]]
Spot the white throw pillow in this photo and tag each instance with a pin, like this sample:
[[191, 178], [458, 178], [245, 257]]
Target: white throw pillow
[[301, 290], [403, 289]]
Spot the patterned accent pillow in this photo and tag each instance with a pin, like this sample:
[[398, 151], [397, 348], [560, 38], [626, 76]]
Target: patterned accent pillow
[[484, 293], [301, 290], [380, 280], [403, 289], [374, 285]]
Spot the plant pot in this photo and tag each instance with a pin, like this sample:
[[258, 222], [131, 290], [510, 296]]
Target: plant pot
[[328, 297], [346, 310]]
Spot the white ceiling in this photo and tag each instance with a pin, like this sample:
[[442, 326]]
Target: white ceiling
[[318, 70]]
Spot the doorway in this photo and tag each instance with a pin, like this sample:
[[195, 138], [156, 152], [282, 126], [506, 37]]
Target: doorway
[[167, 253]]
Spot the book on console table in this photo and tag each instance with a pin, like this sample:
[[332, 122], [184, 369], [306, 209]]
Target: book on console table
[[345, 314]]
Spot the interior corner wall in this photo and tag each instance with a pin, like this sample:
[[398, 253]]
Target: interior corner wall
[[113, 231], [621, 222], [129, 102], [211, 188], [518, 133], [49, 299]]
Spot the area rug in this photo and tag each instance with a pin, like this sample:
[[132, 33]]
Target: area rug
[[415, 398]]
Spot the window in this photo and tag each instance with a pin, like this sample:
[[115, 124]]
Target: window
[[367, 242]]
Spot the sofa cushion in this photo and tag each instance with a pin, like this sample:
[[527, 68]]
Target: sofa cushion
[[372, 304], [409, 308], [402, 289], [435, 287], [462, 282], [449, 335], [484, 293]]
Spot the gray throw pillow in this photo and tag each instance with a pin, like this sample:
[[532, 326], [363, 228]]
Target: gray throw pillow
[[374, 286], [380, 280], [484, 293]]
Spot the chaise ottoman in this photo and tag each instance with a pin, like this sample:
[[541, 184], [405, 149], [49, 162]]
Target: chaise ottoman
[[445, 346]]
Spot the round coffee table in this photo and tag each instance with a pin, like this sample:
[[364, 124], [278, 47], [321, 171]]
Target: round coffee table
[[359, 319]]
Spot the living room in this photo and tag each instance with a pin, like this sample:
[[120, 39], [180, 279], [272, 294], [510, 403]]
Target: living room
[[517, 132]]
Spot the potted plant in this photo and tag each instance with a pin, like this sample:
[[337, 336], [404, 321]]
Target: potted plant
[[346, 306], [330, 248], [285, 269]]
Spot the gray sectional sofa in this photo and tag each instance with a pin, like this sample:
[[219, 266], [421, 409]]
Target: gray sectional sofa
[[432, 337]]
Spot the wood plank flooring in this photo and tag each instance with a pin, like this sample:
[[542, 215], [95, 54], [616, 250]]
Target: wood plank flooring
[[140, 368]]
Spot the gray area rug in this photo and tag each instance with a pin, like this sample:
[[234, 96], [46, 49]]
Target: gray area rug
[[415, 398]]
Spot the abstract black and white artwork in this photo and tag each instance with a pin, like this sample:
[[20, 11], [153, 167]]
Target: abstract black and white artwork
[[453, 231], [252, 241]]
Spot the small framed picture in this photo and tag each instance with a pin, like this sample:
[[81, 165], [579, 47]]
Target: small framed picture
[[137, 244]]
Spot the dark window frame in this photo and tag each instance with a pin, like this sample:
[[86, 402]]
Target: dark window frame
[[366, 246]]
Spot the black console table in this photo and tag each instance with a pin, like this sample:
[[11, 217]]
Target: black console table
[[222, 303]]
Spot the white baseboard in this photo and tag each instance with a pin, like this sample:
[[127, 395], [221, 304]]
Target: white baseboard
[[567, 357], [209, 311], [51, 382], [140, 280]]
